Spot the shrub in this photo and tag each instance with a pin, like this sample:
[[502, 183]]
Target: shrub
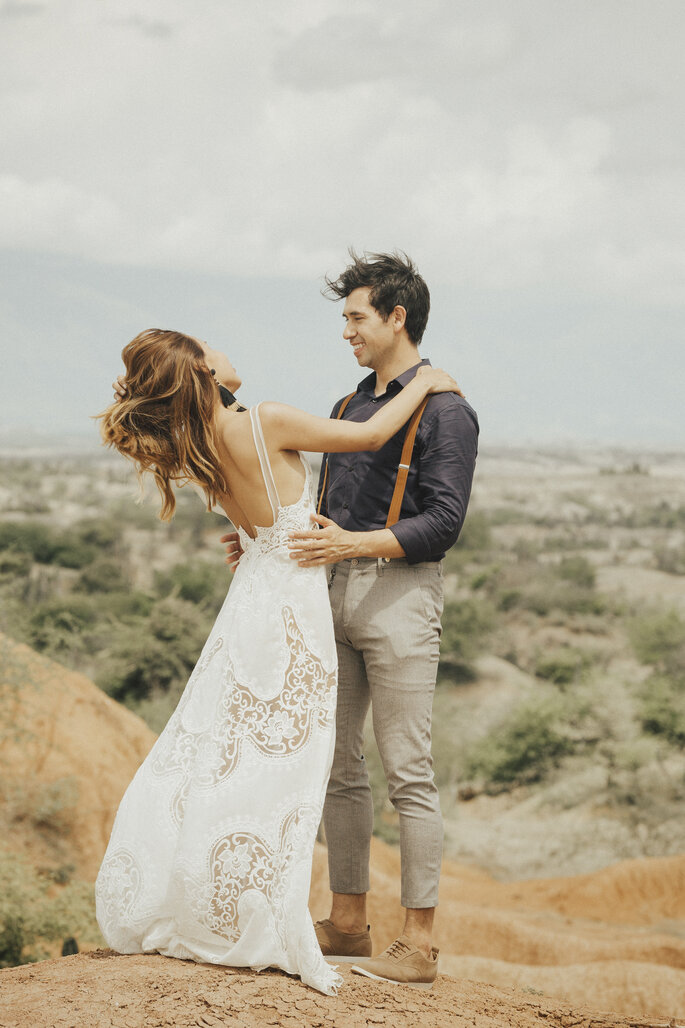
[[29, 917], [662, 515], [546, 595], [526, 551], [125, 606], [523, 747], [200, 582], [70, 551], [577, 570], [67, 548], [486, 579], [27, 537], [103, 575], [508, 599], [465, 627], [15, 563], [663, 710], [671, 559], [155, 654], [53, 804], [658, 638], [561, 666], [103, 533], [58, 625]]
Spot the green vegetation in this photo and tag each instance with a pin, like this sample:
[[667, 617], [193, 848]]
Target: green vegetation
[[72, 593], [33, 912], [466, 625], [561, 666], [531, 740], [658, 638], [112, 592], [70, 548], [155, 652], [663, 709]]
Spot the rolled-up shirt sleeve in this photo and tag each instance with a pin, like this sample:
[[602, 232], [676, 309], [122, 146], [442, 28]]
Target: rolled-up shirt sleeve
[[445, 474]]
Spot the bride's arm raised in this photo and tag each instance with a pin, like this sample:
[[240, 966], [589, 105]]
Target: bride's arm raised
[[293, 429]]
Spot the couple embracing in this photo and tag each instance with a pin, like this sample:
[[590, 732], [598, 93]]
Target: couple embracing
[[211, 850]]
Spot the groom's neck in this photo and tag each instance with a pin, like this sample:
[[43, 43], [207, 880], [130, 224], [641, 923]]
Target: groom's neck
[[407, 356]]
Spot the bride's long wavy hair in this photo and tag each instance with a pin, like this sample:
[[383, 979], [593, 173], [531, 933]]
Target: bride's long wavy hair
[[165, 423]]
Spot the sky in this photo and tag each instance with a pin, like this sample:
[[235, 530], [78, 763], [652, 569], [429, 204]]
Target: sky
[[202, 166]]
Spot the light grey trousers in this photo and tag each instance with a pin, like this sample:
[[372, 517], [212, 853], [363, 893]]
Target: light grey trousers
[[387, 631]]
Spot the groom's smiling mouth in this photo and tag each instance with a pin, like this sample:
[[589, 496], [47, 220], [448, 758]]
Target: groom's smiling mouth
[[357, 348]]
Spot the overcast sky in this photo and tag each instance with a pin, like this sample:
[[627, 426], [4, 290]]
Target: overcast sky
[[201, 166]]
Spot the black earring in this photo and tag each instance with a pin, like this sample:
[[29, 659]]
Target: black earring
[[212, 371]]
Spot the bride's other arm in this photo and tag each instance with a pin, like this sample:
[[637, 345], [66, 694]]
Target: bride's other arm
[[293, 429]]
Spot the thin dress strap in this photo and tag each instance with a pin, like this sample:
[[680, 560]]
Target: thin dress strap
[[267, 473]]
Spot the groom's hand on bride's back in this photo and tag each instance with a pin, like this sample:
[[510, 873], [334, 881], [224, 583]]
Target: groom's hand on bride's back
[[234, 550]]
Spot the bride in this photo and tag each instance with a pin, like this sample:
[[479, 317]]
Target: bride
[[210, 854]]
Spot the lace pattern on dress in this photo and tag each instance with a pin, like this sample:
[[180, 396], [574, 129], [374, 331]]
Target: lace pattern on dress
[[210, 853]]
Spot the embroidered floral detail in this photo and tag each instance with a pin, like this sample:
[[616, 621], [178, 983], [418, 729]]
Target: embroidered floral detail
[[283, 725], [118, 888], [278, 727], [243, 860], [235, 863]]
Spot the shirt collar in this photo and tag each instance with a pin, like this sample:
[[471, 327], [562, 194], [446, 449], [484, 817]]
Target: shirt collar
[[368, 384]]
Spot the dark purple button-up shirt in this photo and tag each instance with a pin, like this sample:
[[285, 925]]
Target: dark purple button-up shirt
[[360, 485]]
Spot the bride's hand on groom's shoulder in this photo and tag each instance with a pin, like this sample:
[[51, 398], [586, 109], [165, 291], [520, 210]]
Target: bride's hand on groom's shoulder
[[439, 381], [234, 550]]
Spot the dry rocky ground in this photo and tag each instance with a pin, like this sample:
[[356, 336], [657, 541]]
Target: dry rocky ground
[[105, 990]]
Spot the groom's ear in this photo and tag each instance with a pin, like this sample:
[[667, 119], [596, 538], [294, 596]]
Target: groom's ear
[[399, 318]]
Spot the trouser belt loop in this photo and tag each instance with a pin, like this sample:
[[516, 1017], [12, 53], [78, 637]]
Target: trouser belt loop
[[382, 563]]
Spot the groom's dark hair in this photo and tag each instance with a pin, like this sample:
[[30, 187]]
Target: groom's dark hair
[[393, 280]]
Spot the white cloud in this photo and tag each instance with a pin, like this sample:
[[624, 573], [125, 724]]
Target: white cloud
[[494, 141], [55, 216]]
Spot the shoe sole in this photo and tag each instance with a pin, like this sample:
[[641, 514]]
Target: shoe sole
[[343, 960], [391, 981]]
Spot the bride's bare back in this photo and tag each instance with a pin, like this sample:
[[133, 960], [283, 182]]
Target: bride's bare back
[[247, 503]]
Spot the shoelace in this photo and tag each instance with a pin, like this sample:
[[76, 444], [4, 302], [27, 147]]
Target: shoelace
[[397, 949]]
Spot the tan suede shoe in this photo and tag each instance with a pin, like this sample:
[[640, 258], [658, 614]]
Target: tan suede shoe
[[341, 946], [402, 964]]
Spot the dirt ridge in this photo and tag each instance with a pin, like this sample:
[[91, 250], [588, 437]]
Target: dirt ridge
[[107, 990]]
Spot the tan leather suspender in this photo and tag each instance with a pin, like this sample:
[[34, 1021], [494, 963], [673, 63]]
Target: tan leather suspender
[[338, 416], [402, 471], [405, 464]]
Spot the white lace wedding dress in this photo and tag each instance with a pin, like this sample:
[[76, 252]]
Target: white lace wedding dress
[[211, 850]]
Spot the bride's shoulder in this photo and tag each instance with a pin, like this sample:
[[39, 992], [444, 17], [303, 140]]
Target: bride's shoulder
[[233, 426], [274, 413]]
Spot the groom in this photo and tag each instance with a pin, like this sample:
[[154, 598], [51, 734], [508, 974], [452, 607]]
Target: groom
[[387, 596]]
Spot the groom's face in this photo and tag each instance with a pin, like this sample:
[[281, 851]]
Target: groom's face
[[371, 338]]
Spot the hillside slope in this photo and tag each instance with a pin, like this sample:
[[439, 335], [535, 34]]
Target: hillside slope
[[613, 939]]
